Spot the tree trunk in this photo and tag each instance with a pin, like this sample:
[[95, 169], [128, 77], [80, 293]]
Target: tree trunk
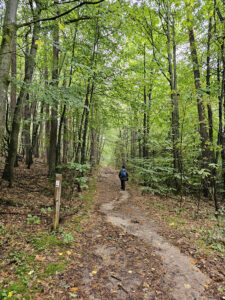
[[81, 148], [222, 99], [54, 109], [8, 34], [65, 141], [29, 69], [86, 119], [13, 74], [27, 131], [145, 110], [208, 75], [205, 149], [201, 110]]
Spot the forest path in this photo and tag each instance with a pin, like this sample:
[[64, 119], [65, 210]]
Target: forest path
[[184, 279], [123, 257]]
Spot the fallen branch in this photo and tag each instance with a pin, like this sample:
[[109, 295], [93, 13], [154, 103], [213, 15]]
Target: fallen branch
[[114, 277], [122, 288]]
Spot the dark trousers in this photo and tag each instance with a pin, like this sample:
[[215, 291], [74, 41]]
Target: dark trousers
[[123, 184]]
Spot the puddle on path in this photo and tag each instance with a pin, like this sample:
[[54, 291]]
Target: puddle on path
[[187, 280]]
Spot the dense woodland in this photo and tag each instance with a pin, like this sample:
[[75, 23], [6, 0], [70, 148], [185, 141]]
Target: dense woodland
[[153, 71], [92, 83]]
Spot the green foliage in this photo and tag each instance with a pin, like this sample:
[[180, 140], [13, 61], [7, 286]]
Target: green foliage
[[33, 219], [75, 173], [215, 237], [44, 211], [67, 238], [153, 177]]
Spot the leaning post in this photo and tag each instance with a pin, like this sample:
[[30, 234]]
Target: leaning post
[[57, 196]]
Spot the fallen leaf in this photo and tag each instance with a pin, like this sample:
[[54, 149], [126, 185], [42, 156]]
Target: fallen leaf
[[74, 289], [172, 224], [187, 286], [40, 258], [69, 252], [192, 261], [60, 253], [130, 272], [94, 272]]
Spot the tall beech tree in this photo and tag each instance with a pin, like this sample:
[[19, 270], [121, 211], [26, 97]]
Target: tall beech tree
[[29, 69], [8, 36]]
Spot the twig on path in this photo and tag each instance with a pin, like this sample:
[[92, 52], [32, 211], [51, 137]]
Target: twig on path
[[123, 288], [114, 277]]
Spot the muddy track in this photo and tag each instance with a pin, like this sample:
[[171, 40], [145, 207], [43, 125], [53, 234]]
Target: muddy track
[[186, 280], [121, 256]]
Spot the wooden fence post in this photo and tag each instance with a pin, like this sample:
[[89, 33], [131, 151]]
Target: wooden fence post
[[57, 196]]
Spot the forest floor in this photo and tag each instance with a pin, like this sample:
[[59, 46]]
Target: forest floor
[[111, 244]]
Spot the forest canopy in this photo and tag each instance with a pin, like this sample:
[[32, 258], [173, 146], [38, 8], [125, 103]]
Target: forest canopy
[[144, 79]]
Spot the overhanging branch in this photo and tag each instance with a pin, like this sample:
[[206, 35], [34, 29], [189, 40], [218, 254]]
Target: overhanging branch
[[61, 15]]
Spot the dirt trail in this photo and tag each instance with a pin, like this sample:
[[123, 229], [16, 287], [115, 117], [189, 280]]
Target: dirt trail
[[187, 281], [121, 256]]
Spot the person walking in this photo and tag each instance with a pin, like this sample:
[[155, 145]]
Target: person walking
[[123, 175]]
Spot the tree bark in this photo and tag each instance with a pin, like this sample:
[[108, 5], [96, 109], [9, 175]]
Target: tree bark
[[29, 69], [13, 74], [8, 34], [201, 110], [54, 109]]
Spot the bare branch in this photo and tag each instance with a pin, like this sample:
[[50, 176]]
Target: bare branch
[[61, 15], [222, 19]]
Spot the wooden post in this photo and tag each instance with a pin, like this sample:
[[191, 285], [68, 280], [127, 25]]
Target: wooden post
[[57, 196]]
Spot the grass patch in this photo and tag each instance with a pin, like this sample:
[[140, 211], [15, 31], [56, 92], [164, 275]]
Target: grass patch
[[52, 268], [89, 196], [46, 241], [157, 205], [77, 221], [175, 221]]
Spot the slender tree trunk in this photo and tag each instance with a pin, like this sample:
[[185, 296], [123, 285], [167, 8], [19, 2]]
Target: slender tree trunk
[[222, 99], [35, 135], [208, 75], [205, 149], [27, 131], [13, 74], [8, 35], [88, 102], [90, 89], [145, 110], [168, 22], [201, 110], [65, 141], [29, 69], [62, 120], [54, 109]]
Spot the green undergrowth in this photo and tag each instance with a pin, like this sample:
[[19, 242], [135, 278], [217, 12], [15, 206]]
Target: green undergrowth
[[10, 202], [38, 256]]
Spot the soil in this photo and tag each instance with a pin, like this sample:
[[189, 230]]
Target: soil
[[125, 258], [124, 250]]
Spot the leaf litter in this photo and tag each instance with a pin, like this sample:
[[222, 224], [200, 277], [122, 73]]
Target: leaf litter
[[106, 260]]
